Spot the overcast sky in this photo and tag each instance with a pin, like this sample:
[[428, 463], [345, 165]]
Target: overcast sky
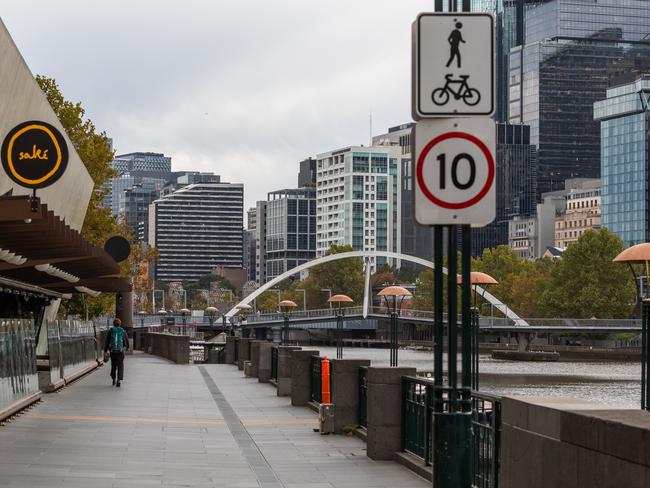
[[243, 88]]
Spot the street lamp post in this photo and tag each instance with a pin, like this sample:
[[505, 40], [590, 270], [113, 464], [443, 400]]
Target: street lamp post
[[394, 296], [640, 254], [162, 312], [184, 313], [244, 310], [330, 295], [286, 306], [340, 300], [476, 278], [211, 312], [142, 315], [304, 298]]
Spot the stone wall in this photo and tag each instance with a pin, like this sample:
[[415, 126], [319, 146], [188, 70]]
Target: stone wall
[[176, 348], [567, 443]]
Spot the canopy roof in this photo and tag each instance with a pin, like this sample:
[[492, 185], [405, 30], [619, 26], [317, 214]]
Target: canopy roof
[[47, 253]]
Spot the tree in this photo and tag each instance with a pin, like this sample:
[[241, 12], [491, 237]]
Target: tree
[[342, 277], [423, 295], [586, 283], [95, 152]]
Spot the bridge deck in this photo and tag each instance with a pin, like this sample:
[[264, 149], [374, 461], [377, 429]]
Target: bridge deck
[[172, 425]]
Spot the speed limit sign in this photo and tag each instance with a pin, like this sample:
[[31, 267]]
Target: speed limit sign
[[454, 171]]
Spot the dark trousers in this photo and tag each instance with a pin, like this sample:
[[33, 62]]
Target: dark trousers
[[117, 363]]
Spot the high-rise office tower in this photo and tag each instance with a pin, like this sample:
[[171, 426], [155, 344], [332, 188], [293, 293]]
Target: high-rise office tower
[[197, 225], [358, 195], [624, 118], [573, 50]]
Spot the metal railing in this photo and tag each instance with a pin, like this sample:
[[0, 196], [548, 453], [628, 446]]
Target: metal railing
[[18, 375], [316, 386], [417, 428], [486, 424], [417, 415], [362, 414], [274, 363]]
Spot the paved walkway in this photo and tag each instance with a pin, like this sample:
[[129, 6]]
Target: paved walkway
[[190, 426]]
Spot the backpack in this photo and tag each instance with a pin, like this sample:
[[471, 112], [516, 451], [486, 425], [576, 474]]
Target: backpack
[[117, 339]]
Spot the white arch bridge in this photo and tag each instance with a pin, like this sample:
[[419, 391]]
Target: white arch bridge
[[367, 256]]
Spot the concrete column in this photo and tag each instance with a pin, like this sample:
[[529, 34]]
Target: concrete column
[[284, 369], [301, 377], [345, 390], [385, 411], [244, 352], [255, 358], [264, 363], [231, 343]]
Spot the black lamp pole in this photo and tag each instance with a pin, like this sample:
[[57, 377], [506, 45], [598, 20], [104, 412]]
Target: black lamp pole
[[339, 333]]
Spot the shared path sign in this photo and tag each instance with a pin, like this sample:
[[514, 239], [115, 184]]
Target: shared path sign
[[454, 171], [453, 65]]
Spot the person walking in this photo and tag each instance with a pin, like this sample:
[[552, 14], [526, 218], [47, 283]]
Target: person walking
[[117, 342]]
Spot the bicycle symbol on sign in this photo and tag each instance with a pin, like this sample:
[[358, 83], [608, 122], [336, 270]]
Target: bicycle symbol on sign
[[471, 96]]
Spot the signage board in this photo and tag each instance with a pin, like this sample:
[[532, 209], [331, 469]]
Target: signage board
[[453, 65], [454, 171], [34, 154]]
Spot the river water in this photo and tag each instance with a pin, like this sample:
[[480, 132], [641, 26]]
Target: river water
[[613, 384]]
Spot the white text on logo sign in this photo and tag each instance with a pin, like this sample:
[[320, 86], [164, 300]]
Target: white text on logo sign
[[453, 174]]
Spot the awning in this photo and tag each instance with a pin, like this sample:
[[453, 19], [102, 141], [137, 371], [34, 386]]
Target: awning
[[38, 248]]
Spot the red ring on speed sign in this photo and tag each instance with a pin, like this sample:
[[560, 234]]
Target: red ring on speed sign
[[488, 157]]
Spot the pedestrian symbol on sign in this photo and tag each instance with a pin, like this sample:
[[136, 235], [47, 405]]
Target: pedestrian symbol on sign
[[455, 38]]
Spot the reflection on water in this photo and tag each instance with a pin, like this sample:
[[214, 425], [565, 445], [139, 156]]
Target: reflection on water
[[615, 384], [18, 376]]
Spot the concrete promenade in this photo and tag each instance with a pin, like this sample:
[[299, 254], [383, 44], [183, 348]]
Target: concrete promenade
[[181, 425]]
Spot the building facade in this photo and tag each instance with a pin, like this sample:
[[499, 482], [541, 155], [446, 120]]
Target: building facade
[[415, 240], [582, 214], [573, 49], [624, 117], [140, 178], [516, 186], [358, 195], [290, 230], [260, 242], [307, 173], [197, 225]]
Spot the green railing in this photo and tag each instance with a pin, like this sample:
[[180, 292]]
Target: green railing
[[417, 428], [274, 363], [362, 415], [486, 423], [417, 413], [316, 386]]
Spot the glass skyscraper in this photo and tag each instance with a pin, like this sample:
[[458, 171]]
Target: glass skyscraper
[[290, 230], [573, 50], [624, 124]]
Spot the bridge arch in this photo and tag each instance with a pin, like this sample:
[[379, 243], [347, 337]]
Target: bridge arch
[[366, 255]]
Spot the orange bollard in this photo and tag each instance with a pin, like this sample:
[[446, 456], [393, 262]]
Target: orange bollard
[[325, 380]]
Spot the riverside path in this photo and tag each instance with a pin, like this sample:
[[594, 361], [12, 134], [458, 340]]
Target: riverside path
[[181, 426]]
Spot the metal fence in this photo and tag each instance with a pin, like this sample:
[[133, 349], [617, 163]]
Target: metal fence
[[316, 386], [362, 415], [18, 375], [417, 428], [72, 345], [274, 363]]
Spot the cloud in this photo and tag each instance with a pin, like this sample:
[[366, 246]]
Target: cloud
[[245, 88]]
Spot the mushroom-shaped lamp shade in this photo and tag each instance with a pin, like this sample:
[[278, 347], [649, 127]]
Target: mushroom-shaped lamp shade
[[340, 299], [478, 278], [639, 254], [185, 311], [211, 310], [162, 311], [142, 312], [244, 307], [287, 304], [394, 291]]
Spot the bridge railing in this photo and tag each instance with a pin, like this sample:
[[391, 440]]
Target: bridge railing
[[417, 428]]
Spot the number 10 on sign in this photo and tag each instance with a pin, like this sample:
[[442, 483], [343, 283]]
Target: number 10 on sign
[[454, 171]]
